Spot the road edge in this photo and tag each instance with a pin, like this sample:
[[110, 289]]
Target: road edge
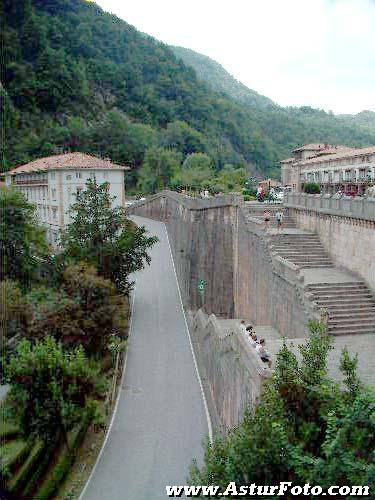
[[208, 417], [117, 402]]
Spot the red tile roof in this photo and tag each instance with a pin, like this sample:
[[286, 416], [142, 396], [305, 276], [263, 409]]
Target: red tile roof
[[351, 153], [69, 161]]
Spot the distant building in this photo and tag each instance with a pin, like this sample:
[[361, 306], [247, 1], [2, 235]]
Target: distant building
[[267, 184], [53, 183], [333, 167]]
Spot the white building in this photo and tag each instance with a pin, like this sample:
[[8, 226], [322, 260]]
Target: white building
[[52, 183], [334, 168]]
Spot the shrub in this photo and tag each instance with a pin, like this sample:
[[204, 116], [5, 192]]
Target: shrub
[[86, 310], [311, 188]]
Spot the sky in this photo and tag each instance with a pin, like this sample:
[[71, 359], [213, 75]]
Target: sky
[[318, 53]]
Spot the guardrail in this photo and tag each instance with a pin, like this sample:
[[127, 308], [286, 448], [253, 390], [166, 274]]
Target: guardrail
[[344, 206]]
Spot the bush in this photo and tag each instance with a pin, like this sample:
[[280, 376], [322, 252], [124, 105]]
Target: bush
[[249, 198], [15, 313], [311, 188], [305, 429], [86, 310]]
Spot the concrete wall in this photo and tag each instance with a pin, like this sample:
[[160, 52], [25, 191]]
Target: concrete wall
[[349, 238], [233, 373]]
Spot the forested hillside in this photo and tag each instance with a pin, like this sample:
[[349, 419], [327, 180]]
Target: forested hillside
[[220, 80], [289, 126], [76, 78]]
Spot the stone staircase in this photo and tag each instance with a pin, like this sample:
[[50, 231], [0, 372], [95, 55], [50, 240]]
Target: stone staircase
[[302, 249], [350, 306], [257, 213]]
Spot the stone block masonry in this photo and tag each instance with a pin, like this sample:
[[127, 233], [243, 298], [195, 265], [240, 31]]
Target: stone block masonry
[[214, 240], [345, 226]]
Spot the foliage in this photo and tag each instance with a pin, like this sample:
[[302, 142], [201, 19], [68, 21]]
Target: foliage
[[22, 240], [305, 429], [76, 78], [311, 188], [15, 312], [86, 310], [157, 169], [50, 387], [196, 172], [101, 235]]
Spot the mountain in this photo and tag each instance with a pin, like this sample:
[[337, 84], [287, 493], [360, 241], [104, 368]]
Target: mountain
[[79, 79], [364, 119], [220, 80]]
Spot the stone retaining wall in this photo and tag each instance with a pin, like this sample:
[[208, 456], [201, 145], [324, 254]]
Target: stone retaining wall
[[216, 241], [232, 371], [345, 226]]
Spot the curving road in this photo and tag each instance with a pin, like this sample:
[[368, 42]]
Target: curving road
[[161, 419]]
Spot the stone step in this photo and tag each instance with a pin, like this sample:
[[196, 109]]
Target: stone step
[[299, 251], [351, 329], [366, 314], [345, 299], [355, 294], [352, 321], [312, 266], [310, 262], [303, 257], [335, 287], [348, 307]]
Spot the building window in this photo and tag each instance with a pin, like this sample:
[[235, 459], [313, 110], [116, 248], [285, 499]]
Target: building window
[[68, 177], [53, 194], [78, 175], [52, 175], [54, 214], [105, 175]]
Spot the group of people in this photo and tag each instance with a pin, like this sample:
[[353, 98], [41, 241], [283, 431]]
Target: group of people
[[259, 345], [279, 217]]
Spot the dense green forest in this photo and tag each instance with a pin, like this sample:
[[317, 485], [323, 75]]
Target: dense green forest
[[76, 78], [220, 80]]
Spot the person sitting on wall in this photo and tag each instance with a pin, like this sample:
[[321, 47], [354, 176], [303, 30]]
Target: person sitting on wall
[[243, 326], [263, 353], [253, 339]]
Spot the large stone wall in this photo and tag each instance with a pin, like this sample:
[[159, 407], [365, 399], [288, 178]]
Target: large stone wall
[[267, 288], [216, 241], [346, 227], [232, 372], [201, 234]]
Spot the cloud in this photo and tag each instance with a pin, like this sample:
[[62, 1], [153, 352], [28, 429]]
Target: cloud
[[298, 52]]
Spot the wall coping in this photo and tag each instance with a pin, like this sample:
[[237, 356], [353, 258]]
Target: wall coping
[[346, 206]]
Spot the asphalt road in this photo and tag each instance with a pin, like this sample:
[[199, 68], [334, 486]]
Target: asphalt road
[[160, 420]]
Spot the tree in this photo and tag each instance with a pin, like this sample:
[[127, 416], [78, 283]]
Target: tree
[[85, 310], [157, 169], [305, 429], [22, 240], [181, 136], [50, 387], [101, 235], [196, 172], [15, 312]]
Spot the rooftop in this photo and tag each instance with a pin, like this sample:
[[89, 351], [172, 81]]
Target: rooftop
[[349, 153], [67, 161]]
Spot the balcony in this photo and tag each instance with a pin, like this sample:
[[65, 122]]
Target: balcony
[[30, 182]]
